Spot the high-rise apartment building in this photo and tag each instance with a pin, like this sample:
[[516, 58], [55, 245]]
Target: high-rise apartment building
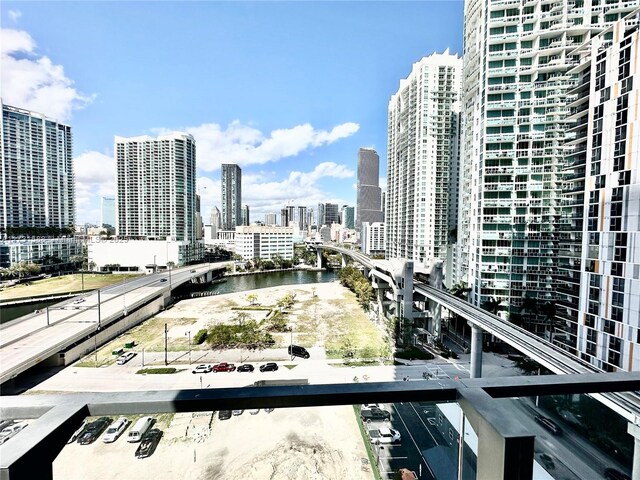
[[347, 217], [423, 133], [321, 219], [310, 218], [37, 182], [156, 187], [372, 238], [284, 217], [597, 313], [515, 108], [231, 196], [368, 201], [215, 218], [108, 212], [270, 219], [245, 215]]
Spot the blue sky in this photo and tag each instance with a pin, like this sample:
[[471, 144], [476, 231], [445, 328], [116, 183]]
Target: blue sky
[[289, 90]]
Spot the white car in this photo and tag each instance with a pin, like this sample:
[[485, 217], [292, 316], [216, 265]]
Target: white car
[[115, 430], [204, 368], [254, 411], [125, 357], [369, 406], [11, 431], [237, 412], [384, 435]]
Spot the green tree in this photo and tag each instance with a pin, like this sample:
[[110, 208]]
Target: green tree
[[493, 305], [252, 298]]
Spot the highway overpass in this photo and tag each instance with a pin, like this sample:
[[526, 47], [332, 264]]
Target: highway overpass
[[32, 339]]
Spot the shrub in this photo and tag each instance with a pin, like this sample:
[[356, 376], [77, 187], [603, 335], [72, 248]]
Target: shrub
[[201, 336], [414, 353], [151, 371]]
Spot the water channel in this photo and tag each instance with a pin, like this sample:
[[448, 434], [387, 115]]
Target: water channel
[[232, 284]]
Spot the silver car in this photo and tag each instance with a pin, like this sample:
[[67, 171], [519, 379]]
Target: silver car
[[115, 430]]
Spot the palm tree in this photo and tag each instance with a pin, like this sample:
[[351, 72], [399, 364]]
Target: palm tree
[[460, 290], [493, 305]]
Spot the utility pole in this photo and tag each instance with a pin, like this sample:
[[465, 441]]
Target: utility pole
[[166, 361], [47, 315], [99, 320]]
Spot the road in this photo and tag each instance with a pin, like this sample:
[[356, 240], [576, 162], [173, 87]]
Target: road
[[27, 341]]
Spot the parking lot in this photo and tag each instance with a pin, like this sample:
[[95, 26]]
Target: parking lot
[[300, 443]]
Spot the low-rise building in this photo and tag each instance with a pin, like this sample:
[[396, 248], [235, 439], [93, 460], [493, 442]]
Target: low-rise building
[[41, 251], [255, 241], [138, 255]]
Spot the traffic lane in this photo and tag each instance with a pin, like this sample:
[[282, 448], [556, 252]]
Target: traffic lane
[[416, 438]]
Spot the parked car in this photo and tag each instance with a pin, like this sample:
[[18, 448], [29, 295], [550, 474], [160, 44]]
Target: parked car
[[125, 357], [613, 474], [369, 406], [149, 443], [254, 411], [245, 367], [115, 430], [298, 351], [163, 279], [268, 410], [269, 367], [224, 414], [374, 414], [77, 433], [384, 435], [237, 412], [11, 431], [93, 430], [204, 368], [224, 367]]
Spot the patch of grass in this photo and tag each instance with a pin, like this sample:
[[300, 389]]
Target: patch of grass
[[164, 420], [414, 353], [63, 284], [290, 367], [150, 335], [268, 309], [367, 444], [157, 371]]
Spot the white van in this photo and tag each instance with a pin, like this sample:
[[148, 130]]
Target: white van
[[140, 427]]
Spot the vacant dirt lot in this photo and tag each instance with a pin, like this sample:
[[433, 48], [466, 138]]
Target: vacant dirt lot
[[286, 444]]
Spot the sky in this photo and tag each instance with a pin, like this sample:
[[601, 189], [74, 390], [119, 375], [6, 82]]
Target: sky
[[287, 90]]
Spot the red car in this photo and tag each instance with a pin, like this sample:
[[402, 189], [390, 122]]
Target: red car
[[224, 367]]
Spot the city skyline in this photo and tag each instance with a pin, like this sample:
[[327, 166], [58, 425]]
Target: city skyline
[[304, 153]]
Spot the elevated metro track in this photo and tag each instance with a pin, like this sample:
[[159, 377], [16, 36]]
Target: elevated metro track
[[547, 354]]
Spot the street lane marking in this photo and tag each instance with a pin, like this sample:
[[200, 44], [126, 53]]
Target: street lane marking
[[414, 441], [424, 425]]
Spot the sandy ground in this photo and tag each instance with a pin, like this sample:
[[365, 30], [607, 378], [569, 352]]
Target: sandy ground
[[287, 444]]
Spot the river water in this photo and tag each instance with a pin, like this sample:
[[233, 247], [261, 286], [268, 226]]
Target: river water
[[232, 284]]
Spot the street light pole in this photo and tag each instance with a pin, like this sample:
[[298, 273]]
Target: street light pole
[[166, 362], [47, 315], [189, 334]]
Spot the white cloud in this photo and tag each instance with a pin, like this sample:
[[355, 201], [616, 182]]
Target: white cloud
[[382, 182], [264, 194], [95, 177], [246, 145], [14, 15], [34, 82]]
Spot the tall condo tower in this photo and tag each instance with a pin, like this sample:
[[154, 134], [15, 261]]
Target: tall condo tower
[[516, 109], [423, 133], [108, 209], [156, 187], [231, 196], [37, 182], [368, 202]]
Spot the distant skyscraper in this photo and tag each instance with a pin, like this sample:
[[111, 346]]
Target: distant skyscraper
[[216, 218], [37, 182], [155, 183], [198, 220], [108, 209], [231, 196], [422, 135], [291, 212], [331, 213], [368, 202], [245, 215], [303, 221], [384, 205], [270, 219], [284, 217], [310, 219], [321, 219], [347, 215]]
